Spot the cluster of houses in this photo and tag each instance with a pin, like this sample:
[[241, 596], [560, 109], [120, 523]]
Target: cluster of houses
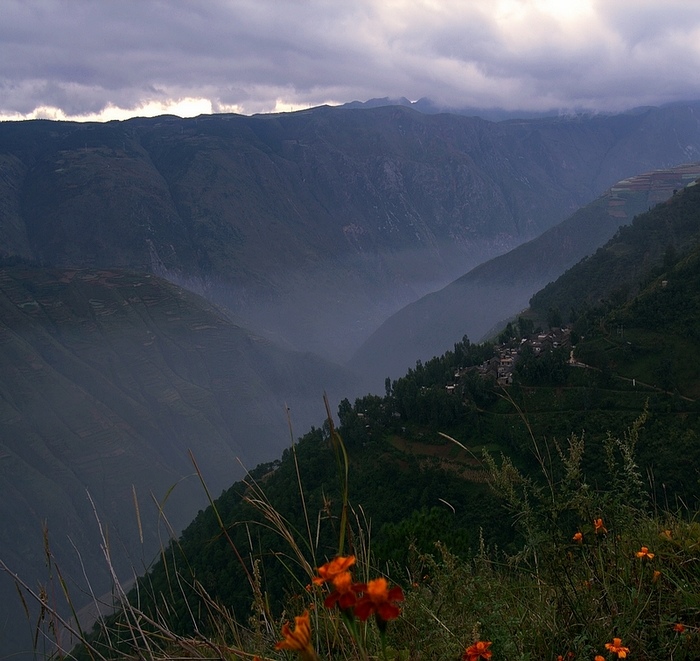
[[500, 367]]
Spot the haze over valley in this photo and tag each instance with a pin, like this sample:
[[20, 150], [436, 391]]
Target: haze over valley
[[478, 303]]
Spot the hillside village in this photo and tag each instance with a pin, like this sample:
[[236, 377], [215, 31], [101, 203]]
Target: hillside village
[[500, 368]]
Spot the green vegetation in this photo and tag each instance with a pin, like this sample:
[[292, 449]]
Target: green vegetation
[[595, 567], [554, 516], [653, 337], [596, 545], [637, 253]]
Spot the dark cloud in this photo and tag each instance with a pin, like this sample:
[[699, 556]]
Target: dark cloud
[[81, 56]]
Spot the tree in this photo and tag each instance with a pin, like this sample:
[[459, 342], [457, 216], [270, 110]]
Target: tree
[[507, 334], [526, 327], [554, 319]]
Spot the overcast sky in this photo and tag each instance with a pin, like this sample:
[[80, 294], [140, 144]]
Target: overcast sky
[[105, 59]]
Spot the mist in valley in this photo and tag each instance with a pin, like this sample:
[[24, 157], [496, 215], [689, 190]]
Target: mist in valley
[[332, 308]]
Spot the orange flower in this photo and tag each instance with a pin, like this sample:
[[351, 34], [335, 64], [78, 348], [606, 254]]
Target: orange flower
[[616, 647], [344, 593], [599, 527], [298, 640], [333, 568], [598, 658], [336, 572], [678, 627], [578, 537], [378, 599], [644, 553], [655, 576], [479, 650]]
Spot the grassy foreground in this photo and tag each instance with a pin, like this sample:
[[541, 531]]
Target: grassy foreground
[[601, 574]]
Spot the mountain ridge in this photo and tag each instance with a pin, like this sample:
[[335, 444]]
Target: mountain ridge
[[334, 214]]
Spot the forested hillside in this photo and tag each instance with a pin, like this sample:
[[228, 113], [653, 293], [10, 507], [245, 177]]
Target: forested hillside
[[618, 269], [653, 336]]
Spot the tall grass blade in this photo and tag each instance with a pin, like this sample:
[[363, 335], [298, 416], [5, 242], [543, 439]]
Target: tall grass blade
[[343, 463]]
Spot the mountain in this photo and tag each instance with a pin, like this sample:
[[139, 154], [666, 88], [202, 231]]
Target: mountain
[[109, 379], [308, 227], [618, 269], [419, 492], [502, 286], [430, 107], [313, 227]]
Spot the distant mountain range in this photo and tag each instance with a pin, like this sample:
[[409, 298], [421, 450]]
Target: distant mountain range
[[429, 107], [501, 287], [314, 227]]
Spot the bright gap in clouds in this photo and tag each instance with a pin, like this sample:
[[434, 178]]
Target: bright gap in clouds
[[188, 107], [565, 10]]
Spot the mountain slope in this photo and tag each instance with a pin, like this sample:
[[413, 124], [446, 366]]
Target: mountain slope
[[414, 487], [653, 337], [314, 226], [109, 379], [616, 269], [502, 286]]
